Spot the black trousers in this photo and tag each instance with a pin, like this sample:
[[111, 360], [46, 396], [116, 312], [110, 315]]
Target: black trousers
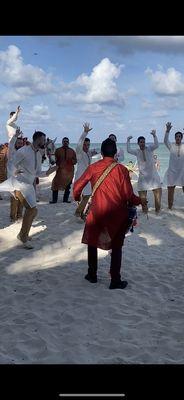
[[115, 267], [65, 196]]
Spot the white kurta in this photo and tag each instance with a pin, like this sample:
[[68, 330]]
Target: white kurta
[[11, 127], [11, 170], [149, 178], [174, 175], [29, 162], [83, 161]]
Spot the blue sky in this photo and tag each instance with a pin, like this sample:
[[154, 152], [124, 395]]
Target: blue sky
[[127, 85]]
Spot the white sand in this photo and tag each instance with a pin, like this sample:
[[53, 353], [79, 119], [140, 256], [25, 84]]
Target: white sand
[[51, 314]]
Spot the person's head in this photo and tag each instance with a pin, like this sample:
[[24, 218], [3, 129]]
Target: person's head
[[19, 143], [113, 137], [86, 145], [141, 142], [12, 113], [39, 140], [65, 142], [178, 137], [108, 148]]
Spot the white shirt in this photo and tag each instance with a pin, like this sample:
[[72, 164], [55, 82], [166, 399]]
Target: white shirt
[[149, 178], [11, 126], [29, 162], [83, 161], [174, 175]]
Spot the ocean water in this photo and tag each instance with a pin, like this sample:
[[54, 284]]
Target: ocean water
[[162, 154]]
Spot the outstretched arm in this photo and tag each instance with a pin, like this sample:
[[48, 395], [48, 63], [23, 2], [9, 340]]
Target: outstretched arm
[[166, 137], [11, 146], [129, 150], [85, 132], [14, 116], [155, 145]]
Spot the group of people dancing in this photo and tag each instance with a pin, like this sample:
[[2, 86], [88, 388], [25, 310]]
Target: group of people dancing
[[103, 190]]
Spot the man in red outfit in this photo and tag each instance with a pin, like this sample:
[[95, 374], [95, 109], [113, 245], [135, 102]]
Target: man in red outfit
[[107, 220]]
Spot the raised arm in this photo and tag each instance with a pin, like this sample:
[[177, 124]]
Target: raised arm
[[85, 132], [14, 116], [129, 150], [166, 137], [11, 146], [155, 145]]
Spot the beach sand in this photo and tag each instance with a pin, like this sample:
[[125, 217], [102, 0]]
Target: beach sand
[[51, 314]]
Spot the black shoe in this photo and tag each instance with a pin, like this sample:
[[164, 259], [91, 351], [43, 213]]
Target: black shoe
[[66, 201], [92, 279], [52, 202], [118, 285]]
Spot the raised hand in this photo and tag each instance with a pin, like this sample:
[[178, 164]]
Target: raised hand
[[86, 127], [153, 132], [168, 126], [18, 108], [129, 137]]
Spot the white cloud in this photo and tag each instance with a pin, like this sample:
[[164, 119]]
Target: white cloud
[[169, 83], [38, 113], [100, 85], [160, 44], [120, 126], [160, 113], [146, 104], [24, 78], [97, 88]]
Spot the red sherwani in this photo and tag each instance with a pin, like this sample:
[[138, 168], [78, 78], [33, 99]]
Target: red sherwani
[[107, 220], [65, 160]]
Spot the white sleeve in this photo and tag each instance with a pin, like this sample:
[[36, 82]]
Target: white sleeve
[[13, 118], [129, 150], [166, 140], [80, 143], [155, 145], [11, 147]]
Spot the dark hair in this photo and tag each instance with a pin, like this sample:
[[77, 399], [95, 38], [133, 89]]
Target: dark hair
[[87, 139], [65, 138], [108, 148], [11, 114], [37, 135], [112, 134], [179, 133], [140, 138]]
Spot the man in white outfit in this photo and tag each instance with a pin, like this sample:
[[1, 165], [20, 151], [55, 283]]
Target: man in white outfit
[[83, 161], [11, 127], [16, 142], [27, 161], [174, 175], [149, 178]]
